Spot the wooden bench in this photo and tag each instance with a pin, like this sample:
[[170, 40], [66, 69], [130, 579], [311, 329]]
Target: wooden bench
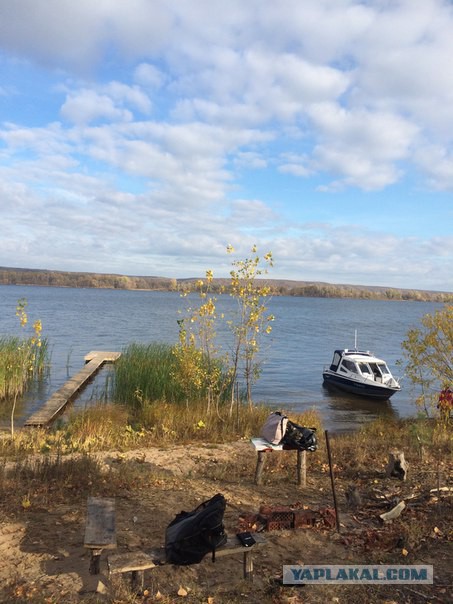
[[262, 446], [100, 529], [137, 562]]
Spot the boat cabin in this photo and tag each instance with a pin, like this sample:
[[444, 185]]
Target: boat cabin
[[361, 364]]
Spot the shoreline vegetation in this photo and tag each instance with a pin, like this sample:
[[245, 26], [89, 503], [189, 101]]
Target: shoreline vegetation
[[278, 287]]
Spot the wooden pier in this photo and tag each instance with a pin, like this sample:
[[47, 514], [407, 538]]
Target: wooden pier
[[58, 401]]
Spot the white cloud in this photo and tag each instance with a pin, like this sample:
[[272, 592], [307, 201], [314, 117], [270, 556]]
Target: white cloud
[[250, 159], [148, 75], [251, 214], [382, 135], [131, 95], [108, 103], [361, 146], [437, 162], [86, 106], [289, 77], [299, 165]]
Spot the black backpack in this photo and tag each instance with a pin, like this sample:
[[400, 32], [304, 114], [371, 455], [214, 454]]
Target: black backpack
[[192, 535], [299, 437]]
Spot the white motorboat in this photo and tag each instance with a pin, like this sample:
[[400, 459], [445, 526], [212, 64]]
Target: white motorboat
[[361, 373]]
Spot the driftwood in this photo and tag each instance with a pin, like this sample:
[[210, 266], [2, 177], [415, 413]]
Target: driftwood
[[393, 513], [442, 490], [397, 465], [440, 493]]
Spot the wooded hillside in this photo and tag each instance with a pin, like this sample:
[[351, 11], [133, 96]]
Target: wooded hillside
[[23, 276]]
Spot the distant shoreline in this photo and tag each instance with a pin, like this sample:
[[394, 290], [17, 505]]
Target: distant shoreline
[[278, 287]]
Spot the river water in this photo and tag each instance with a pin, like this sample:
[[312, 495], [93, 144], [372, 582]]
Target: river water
[[305, 333]]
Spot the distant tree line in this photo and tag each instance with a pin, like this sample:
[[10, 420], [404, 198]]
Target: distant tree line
[[15, 276], [345, 291], [327, 290], [94, 280]]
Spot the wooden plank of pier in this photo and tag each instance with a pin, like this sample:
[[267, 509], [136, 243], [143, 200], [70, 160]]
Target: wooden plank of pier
[[58, 401]]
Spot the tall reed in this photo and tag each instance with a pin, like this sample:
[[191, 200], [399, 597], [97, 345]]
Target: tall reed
[[145, 372], [21, 360], [153, 372]]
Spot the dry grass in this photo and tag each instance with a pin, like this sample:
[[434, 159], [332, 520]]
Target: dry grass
[[115, 427]]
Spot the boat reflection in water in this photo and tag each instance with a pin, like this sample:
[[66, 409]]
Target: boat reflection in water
[[351, 410]]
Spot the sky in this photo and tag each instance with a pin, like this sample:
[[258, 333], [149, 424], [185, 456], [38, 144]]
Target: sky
[[143, 137]]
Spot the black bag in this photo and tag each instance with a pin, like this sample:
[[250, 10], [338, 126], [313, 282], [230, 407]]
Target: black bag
[[299, 437], [192, 535]]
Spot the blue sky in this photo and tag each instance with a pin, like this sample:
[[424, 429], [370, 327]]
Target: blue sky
[[143, 137]]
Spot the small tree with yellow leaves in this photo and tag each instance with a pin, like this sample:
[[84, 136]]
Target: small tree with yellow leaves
[[199, 367], [253, 321]]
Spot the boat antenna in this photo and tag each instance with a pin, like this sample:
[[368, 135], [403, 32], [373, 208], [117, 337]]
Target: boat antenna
[[355, 339]]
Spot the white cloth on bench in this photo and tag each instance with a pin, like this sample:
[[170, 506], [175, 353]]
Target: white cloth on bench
[[261, 444]]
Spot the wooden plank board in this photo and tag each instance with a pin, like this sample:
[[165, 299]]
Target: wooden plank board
[[100, 528], [58, 401], [109, 357], [130, 561]]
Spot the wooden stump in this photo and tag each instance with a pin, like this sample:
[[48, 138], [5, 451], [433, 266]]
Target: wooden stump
[[353, 497], [396, 466]]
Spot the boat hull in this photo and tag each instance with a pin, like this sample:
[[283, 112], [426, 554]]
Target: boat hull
[[364, 389]]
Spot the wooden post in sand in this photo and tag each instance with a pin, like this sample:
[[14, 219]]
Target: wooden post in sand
[[332, 481], [301, 468]]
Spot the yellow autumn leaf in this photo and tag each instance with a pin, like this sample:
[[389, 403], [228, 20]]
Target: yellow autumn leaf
[[182, 592], [210, 600], [404, 551], [26, 503]]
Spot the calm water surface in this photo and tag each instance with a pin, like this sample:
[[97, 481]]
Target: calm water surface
[[305, 333]]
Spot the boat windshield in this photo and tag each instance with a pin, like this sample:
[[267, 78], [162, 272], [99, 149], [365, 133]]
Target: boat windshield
[[365, 370], [376, 371], [384, 369]]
